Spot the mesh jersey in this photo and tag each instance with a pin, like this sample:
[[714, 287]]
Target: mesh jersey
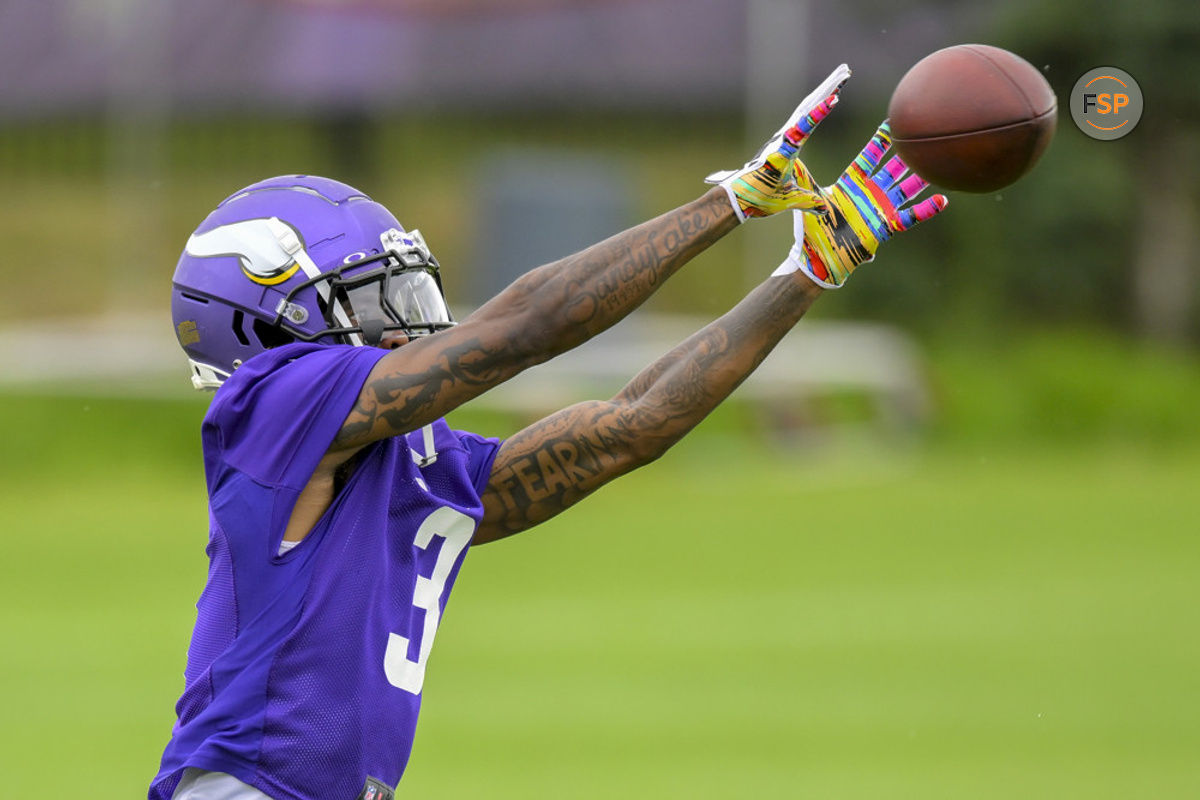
[[304, 671]]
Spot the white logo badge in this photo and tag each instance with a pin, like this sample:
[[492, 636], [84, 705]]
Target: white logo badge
[[265, 248]]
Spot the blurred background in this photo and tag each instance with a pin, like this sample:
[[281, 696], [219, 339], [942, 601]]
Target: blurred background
[[942, 546]]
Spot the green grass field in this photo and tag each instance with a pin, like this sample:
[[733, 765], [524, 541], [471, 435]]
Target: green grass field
[[969, 619]]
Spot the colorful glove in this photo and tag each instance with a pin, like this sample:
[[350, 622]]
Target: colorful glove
[[765, 185], [863, 209]]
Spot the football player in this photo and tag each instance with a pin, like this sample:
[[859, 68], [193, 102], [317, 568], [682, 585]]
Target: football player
[[342, 505]]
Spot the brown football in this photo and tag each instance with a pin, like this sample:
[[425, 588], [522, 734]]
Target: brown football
[[972, 117]]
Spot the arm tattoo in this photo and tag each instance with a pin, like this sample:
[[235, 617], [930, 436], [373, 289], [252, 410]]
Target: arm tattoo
[[544, 313], [390, 402], [604, 283], [553, 464]]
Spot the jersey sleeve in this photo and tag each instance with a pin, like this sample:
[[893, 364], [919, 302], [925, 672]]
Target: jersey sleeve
[[278, 414], [481, 454]]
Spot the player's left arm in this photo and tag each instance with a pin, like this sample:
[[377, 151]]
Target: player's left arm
[[556, 462], [558, 306]]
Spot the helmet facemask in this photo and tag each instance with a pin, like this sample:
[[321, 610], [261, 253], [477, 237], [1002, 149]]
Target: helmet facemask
[[399, 290]]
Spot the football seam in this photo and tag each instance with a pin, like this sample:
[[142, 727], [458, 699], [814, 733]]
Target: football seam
[[996, 66], [939, 137]]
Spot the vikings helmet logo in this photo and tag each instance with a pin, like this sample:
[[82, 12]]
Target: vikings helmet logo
[[265, 248]]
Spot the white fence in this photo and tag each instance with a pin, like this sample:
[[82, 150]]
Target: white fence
[[138, 355]]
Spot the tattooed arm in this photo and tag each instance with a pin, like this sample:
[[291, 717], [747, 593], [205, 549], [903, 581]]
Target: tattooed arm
[[561, 305], [547, 311], [558, 461]]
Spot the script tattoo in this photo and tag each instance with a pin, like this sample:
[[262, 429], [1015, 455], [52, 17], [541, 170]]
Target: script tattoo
[[555, 463]]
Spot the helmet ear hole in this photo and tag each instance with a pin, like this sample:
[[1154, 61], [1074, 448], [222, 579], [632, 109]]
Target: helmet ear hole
[[271, 335], [239, 321]]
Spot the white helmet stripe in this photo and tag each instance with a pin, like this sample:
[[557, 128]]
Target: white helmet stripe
[[339, 313], [266, 248]]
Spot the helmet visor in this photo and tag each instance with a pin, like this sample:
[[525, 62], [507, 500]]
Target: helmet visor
[[417, 299], [407, 298]]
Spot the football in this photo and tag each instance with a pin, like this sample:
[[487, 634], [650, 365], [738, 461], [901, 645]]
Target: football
[[972, 117]]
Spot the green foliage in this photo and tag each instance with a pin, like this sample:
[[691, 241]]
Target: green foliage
[[1158, 41], [1065, 243], [1140, 230], [1066, 386]]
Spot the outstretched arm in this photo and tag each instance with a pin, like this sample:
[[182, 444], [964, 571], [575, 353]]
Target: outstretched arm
[[547, 311], [561, 305], [555, 463]]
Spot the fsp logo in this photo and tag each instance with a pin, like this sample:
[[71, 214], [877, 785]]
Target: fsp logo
[[1106, 103]]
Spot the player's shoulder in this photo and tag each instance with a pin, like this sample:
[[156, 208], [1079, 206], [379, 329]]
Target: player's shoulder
[[276, 416], [288, 368], [297, 356], [292, 383]]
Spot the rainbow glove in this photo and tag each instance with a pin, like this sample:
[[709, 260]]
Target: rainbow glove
[[865, 208], [766, 184]]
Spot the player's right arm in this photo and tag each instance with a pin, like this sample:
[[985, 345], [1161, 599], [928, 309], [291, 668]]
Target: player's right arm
[[545, 312], [557, 307]]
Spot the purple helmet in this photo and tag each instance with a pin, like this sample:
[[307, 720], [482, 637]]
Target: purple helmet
[[299, 258]]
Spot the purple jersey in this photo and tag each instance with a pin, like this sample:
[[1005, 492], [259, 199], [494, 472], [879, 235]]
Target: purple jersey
[[305, 669]]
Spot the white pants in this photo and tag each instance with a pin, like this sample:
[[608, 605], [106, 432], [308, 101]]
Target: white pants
[[200, 785]]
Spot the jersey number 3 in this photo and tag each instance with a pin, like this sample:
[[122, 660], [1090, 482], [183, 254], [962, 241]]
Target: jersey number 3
[[455, 528]]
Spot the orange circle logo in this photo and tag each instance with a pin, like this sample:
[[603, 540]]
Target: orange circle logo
[[1106, 103]]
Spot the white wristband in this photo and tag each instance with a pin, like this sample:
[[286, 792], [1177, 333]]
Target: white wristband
[[796, 262]]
